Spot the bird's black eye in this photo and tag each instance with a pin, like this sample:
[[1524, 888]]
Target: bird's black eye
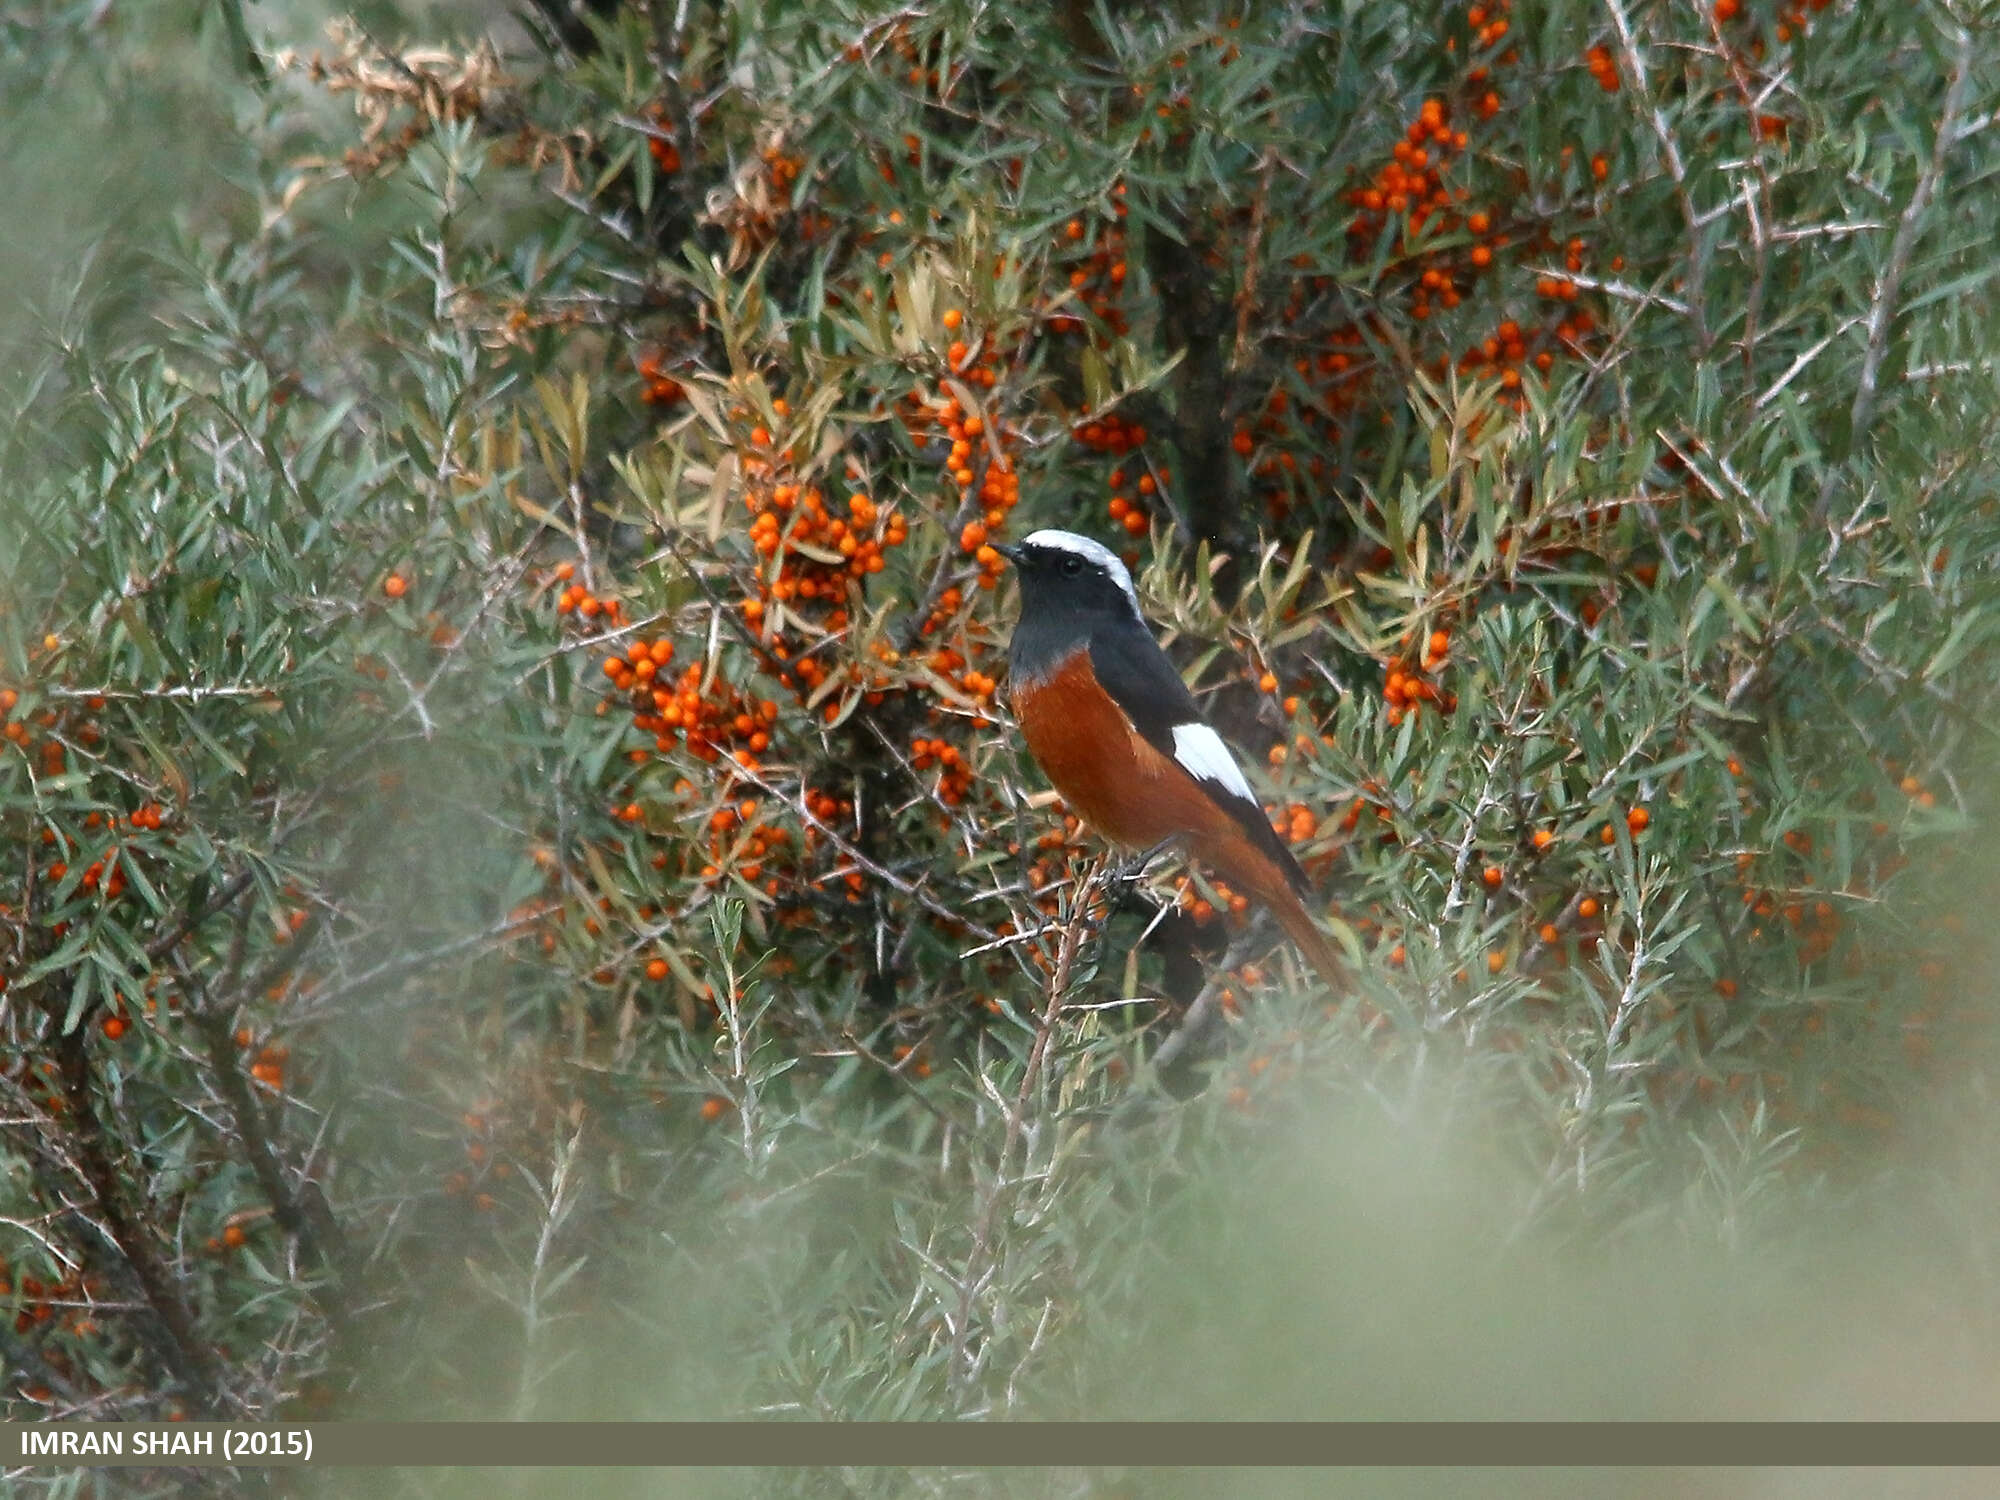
[[1072, 566]]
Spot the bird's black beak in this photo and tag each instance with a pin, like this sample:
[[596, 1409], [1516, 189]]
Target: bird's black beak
[[1008, 551]]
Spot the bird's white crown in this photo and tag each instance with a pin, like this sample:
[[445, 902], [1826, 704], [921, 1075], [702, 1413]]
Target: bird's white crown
[[1095, 552]]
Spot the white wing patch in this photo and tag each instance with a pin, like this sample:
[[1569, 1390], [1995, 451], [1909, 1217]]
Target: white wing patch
[[1084, 547], [1203, 756]]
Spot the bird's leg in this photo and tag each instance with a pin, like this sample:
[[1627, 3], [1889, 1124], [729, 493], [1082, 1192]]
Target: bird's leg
[[1133, 866]]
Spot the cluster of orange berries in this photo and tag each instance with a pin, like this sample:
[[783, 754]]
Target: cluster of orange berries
[[1637, 820], [1296, 824], [954, 772], [1605, 69], [1124, 509], [1110, 433], [949, 603], [661, 389], [267, 1066], [827, 808], [1488, 21], [54, 758], [1098, 280], [994, 487], [724, 722], [1412, 181], [40, 1082], [608, 614], [1913, 788], [105, 874], [1505, 351], [952, 664], [1549, 934], [485, 1161], [42, 1302], [665, 152], [783, 170], [95, 874], [1815, 928], [740, 840], [1202, 909], [920, 74], [977, 363], [1792, 19], [14, 730], [1406, 689], [1560, 288], [817, 549]]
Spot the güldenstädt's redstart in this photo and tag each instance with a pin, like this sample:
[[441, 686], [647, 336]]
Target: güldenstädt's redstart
[[1116, 730]]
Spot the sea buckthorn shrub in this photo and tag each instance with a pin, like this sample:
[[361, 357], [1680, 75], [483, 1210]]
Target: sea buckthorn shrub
[[509, 807]]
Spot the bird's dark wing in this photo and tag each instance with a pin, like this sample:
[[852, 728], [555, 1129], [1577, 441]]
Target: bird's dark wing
[[1131, 667]]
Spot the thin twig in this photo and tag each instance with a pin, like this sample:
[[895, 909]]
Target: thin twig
[[1882, 311], [979, 1257], [1635, 67]]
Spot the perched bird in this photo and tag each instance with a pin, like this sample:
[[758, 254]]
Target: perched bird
[[1116, 730]]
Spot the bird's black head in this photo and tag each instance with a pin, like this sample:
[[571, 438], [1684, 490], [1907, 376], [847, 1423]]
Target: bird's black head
[[1072, 590], [1066, 575]]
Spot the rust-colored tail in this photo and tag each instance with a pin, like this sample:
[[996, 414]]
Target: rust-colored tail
[[1248, 869], [1302, 930]]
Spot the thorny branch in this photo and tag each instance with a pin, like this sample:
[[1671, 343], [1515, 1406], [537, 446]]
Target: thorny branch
[[979, 1260], [1882, 311]]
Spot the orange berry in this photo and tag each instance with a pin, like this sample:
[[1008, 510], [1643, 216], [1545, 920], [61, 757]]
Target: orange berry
[[233, 1236], [395, 585], [713, 1109], [1492, 875], [1637, 819], [1587, 907], [953, 317], [1543, 838]]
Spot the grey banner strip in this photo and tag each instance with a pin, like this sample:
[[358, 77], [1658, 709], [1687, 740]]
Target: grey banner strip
[[1008, 1444]]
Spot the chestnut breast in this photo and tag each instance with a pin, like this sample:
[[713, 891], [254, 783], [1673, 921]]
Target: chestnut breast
[[1105, 769]]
